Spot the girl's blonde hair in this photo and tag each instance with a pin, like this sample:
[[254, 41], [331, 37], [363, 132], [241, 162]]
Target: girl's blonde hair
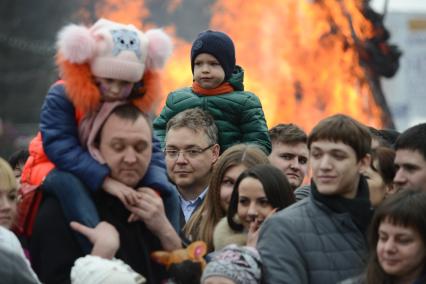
[[7, 178], [205, 218]]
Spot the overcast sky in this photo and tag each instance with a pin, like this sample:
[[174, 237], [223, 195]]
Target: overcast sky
[[400, 5]]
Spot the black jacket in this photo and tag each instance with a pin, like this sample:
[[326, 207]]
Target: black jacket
[[53, 247]]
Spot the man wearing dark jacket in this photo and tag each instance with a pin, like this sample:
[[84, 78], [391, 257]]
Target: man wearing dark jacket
[[321, 239], [125, 144]]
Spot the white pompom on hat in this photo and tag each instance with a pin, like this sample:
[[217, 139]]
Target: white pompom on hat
[[76, 44], [114, 50], [96, 270]]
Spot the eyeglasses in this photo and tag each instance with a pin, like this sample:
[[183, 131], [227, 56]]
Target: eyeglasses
[[187, 153]]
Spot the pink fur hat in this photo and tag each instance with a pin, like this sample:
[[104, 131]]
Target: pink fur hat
[[114, 50]]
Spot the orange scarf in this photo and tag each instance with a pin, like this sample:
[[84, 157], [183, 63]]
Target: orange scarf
[[220, 90]]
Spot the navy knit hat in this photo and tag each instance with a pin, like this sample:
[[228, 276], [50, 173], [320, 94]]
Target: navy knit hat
[[219, 45]]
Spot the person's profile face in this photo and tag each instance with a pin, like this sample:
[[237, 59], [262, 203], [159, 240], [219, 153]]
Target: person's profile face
[[411, 170], [376, 184], [227, 184], [8, 206], [17, 171]]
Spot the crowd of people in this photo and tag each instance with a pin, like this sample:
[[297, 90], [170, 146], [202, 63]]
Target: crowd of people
[[203, 193]]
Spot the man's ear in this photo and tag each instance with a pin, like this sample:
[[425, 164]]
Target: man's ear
[[364, 163], [390, 189], [216, 152]]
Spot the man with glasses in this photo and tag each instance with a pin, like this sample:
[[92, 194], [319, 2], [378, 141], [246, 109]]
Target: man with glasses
[[191, 149]]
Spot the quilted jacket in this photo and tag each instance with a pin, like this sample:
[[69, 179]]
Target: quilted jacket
[[309, 243], [238, 115]]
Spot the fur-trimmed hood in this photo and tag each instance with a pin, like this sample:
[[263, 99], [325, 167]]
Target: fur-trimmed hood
[[114, 50], [85, 95], [223, 235]]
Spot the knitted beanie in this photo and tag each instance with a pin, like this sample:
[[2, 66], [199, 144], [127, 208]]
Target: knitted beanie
[[114, 50], [219, 45], [97, 270], [240, 264]]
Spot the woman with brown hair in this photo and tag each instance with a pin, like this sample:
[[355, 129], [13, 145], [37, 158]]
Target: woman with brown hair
[[380, 175], [225, 172], [397, 240], [258, 193]]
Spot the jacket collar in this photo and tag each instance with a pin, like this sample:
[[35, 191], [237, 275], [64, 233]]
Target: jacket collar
[[359, 208]]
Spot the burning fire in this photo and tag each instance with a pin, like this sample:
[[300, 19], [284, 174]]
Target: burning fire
[[299, 56]]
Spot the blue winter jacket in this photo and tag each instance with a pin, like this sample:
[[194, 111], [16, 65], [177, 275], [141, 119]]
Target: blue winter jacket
[[59, 131]]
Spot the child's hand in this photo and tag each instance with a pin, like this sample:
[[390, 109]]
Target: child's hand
[[149, 209], [127, 195], [104, 237], [133, 218]]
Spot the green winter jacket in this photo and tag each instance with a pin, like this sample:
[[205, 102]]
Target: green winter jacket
[[238, 115]]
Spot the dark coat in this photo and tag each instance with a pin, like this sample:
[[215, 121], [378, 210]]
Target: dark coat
[[53, 247]]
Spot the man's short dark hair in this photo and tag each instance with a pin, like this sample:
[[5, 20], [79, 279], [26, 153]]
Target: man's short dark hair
[[414, 138], [128, 112], [287, 134], [345, 129]]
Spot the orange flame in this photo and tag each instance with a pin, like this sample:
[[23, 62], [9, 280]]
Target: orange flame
[[127, 11], [299, 57]]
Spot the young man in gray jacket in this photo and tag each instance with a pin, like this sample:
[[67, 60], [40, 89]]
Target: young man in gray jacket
[[321, 239]]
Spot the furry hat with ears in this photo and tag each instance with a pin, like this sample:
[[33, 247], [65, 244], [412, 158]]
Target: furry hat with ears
[[194, 252], [184, 265], [108, 50]]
